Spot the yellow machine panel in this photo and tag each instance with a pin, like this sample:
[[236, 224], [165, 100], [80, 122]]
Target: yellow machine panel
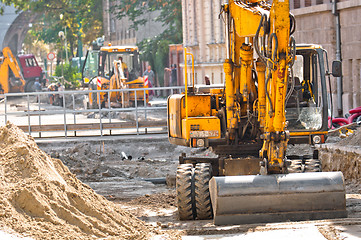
[[174, 119], [198, 106], [201, 127]]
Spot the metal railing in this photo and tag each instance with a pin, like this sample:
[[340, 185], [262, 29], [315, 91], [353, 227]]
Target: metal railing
[[33, 113]]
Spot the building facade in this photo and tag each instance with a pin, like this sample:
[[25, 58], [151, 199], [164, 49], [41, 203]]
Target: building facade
[[204, 34], [118, 32], [204, 37]]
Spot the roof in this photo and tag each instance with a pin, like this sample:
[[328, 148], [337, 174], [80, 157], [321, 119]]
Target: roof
[[26, 56], [123, 48]]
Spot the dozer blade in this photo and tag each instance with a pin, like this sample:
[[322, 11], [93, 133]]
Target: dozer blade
[[276, 198]]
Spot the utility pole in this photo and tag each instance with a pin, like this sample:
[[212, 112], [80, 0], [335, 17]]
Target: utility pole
[[336, 13]]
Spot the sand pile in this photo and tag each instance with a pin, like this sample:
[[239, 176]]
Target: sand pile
[[40, 197]]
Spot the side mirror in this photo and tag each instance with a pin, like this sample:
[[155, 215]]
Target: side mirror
[[337, 68]]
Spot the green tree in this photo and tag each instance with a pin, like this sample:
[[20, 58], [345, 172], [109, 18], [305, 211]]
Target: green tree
[[154, 50], [71, 75], [84, 16]]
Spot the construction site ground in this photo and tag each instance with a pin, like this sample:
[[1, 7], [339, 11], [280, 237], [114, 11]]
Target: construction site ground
[[100, 164], [143, 184]]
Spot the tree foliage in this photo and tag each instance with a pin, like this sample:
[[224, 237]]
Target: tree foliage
[[84, 16], [154, 50], [71, 75]]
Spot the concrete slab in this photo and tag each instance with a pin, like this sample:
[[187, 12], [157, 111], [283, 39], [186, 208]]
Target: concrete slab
[[351, 232], [103, 138], [310, 232]]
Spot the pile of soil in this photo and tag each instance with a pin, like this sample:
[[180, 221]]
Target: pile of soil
[[41, 198], [160, 200], [353, 140]]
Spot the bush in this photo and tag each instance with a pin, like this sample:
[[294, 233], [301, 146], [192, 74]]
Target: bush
[[71, 75]]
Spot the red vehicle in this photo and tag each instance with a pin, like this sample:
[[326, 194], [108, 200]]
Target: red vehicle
[[31, 71]]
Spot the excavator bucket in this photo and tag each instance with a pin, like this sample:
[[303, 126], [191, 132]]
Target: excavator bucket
[[276, 198]]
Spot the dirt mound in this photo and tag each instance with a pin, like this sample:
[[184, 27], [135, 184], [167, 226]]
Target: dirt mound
[[353, 140], [160, 200], [40, 197]]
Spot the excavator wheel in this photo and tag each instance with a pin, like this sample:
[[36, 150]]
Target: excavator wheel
[[185, 192], [313, 165], [29, 86], [202, 175], [295, 166]]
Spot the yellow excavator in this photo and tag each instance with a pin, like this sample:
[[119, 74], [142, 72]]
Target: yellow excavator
[[11, 79], [113, 68], [275, 94]]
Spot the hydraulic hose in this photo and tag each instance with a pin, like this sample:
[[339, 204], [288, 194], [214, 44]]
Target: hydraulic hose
[[256, 47]]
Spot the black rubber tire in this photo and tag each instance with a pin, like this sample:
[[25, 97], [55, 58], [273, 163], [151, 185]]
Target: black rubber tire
[[313, 165], [202, 175], [294, 166], [29, 86], [185, 192]]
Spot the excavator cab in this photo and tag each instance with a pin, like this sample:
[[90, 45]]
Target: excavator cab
[[307, 105]]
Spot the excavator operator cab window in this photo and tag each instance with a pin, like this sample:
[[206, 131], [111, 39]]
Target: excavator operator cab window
[[103, 69], [129, 64], [30, 62], [304, 105], [90, 68]]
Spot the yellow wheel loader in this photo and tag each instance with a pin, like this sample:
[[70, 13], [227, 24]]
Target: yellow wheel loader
[[11, 79], [275, 94], [112, 68]]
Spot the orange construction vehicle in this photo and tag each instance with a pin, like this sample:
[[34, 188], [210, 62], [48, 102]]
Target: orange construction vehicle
[[11, 78], [111, 68]]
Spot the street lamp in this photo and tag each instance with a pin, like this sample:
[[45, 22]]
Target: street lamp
[[65, 42]]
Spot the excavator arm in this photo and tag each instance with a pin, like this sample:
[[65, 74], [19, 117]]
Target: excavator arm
[[257, 26]]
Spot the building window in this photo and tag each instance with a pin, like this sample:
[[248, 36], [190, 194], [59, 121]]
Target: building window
[[296, 4], [112, 25]]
